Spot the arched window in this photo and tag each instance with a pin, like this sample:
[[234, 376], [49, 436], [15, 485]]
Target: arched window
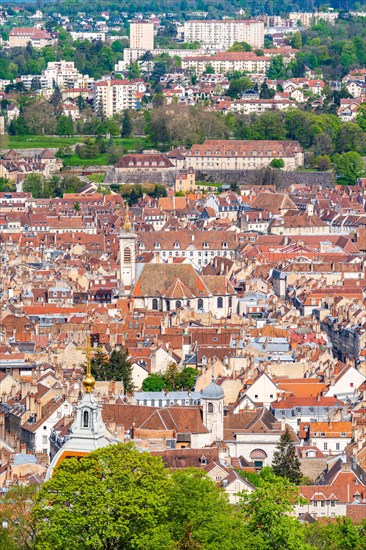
[[188, 303], [178, 304], [200, 303], [220, 302], [210, 408], [127, 255], [167, 305], [230, 301], [155, 303], [86, 419]]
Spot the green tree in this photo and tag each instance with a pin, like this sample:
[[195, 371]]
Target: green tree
[[77, 207], [6, 185], [277, 68], [64, 126], [361, 116], [238, 86], [126, 124], [277, 163], [116, 367], [285, 461], [267, 514], [154, 382], [133, 71], [16, 508], [240, 47], [186, 378], [113, 498], [200, 516], [56, 98], [349, 167]]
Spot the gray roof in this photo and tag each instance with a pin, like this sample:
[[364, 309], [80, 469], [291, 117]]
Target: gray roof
[[22, 458], [213, 391], [172, 395]]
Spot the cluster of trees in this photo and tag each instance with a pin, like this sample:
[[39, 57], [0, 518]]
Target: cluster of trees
[[55, 186], [115, 366], [92, 58], [132, 193], [119, 497], [172, 379]]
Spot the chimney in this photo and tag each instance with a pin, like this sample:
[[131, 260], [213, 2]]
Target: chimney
[[38, 406], [30, 403]]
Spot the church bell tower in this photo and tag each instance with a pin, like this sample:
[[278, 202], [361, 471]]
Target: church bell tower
[[127, 251]]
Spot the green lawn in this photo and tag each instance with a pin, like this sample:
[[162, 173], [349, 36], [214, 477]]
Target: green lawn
[[96, 178], [75, 160], [41, 142]]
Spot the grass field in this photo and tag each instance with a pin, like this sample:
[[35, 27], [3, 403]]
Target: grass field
[[75, 160], [96, 178], [42, 142], [35, 142]]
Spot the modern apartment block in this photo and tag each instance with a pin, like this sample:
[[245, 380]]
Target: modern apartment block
[[142, 35], [114, 96], [222, 34]]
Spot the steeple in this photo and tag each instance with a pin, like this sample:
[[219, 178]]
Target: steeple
[[127, 251], [88, 380], [87, 432]]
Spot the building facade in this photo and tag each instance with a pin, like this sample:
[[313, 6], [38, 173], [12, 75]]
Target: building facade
[[222, 34]]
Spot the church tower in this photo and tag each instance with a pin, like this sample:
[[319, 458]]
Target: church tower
[[88, 431], [212, 400], [127, 251]]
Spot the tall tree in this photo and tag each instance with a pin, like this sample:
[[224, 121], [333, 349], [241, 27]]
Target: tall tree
[[115, 367], [111, 499], [285, 462], [126, 124]]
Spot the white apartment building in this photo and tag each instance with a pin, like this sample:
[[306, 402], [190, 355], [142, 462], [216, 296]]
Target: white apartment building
[[142, 35], [114, 96], [65, 75], [227, 62], [91, 36], [306, 18], [222, 34]]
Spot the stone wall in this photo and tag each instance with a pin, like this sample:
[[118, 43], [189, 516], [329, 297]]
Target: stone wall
[[281, 179]]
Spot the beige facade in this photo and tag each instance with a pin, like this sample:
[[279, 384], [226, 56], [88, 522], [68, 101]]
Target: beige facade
[[114, 96], [228, 62], [185, 182], [222, 34], [243, 154], [20, 37], [142, 35]]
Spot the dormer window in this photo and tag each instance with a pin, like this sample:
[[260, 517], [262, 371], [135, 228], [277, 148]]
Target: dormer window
[[156, 245], [224, 244], [205, 245], [176, 244]]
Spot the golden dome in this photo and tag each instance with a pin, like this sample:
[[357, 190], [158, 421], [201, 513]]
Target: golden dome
[[88, 382]]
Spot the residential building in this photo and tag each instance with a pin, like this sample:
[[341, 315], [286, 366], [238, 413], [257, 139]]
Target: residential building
[[222, 34], [114, 96], [242, 154], [38, 38], [141, 35]]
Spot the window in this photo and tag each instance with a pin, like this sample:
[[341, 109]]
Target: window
[[200, 303], [325, 446], [127, 254], [338, 446], [178, 304], [210, 408], [220, 302], [44, 440], [332, 504], [315, 503], [155, 303], [322, 503], [86, 419]]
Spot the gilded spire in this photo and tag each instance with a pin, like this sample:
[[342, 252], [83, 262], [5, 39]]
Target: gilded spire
[[88, 380], [127, 224]]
